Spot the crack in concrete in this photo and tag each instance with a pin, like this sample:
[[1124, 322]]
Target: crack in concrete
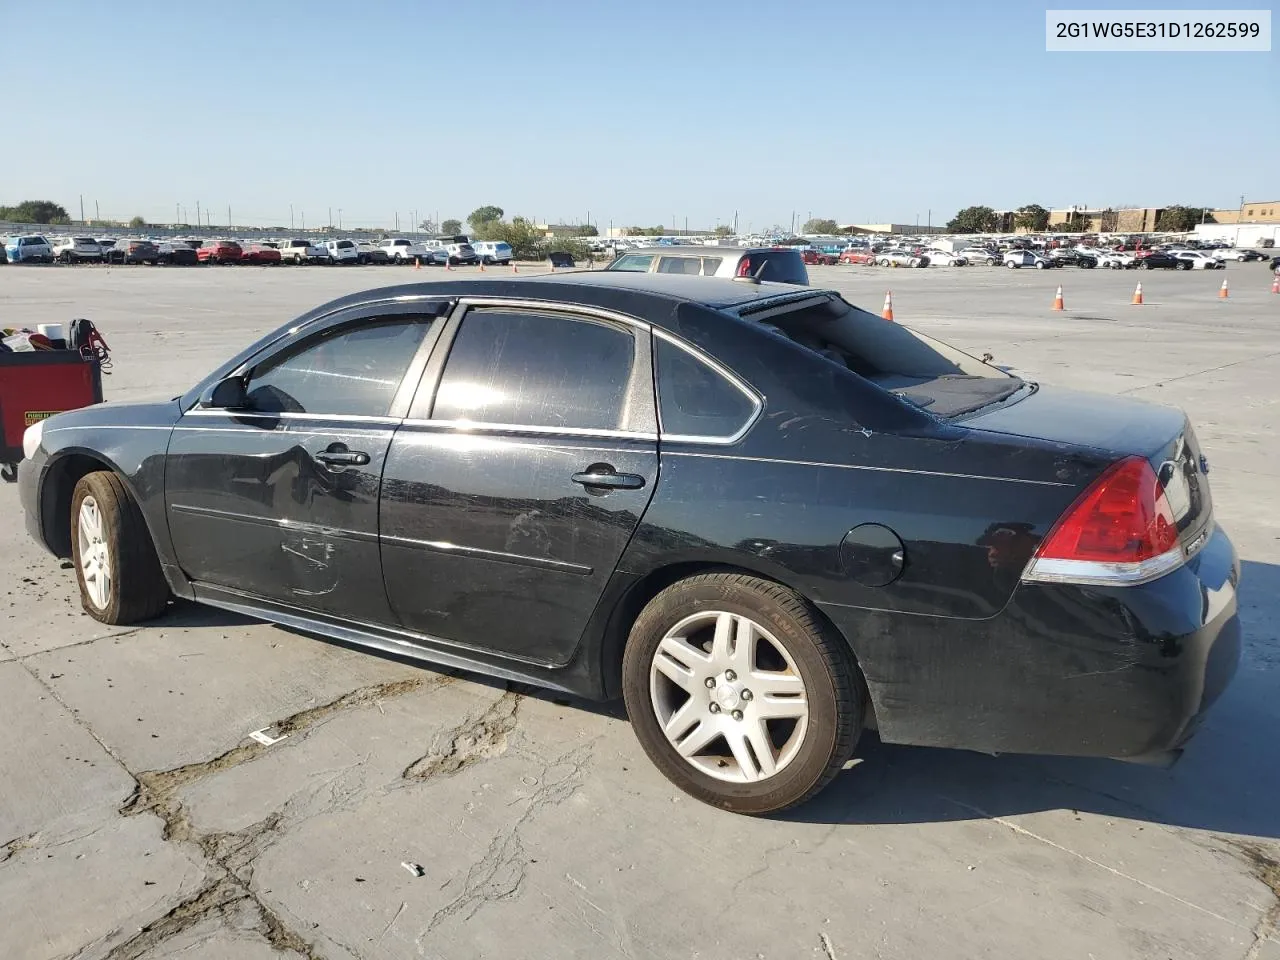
[[469, 742], [1265, 864], [500, 873], [230, 856], [18, 844]]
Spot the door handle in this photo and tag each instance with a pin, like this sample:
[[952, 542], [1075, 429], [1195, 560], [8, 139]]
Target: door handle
[[595, 476], [337, 455]]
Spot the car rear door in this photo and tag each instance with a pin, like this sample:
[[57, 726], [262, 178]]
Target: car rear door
[[279, 500], [510, 493]]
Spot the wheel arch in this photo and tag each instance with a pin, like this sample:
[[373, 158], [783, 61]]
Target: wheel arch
[[628, 606]]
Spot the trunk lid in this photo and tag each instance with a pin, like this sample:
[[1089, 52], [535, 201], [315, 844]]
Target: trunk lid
[[1119, 427]]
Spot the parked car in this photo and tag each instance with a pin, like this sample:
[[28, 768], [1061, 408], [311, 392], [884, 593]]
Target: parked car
[[497, 251], [133, 250], [1240, 256], [900, 258], [1016, 259], [818, 258], [1071, 256], [1110, 260], [858, 256], [1199, 260], [1275, 264], [369, 252], [778, 264], [342, 251], [219, 251], [401, 250], [28, 249], [1156, 260], [981, 255], [758, 594], [298, 252], [461, 253], [944, 258], [179, 253], [261, 253], [77, 250]]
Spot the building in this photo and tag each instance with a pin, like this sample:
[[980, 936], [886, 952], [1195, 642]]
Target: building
[[894, 228], [1265, 211]]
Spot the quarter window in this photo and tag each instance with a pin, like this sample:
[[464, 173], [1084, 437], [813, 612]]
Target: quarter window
[[695, 400], [633, 262], [351, 371], [538, 370], [687, 265]]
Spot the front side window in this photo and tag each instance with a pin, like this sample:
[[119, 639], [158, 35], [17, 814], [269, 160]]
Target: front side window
[[694, 399], [537, 369], [633, 262], [349, 371]]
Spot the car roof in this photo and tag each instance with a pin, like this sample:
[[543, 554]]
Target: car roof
[[609, 290]]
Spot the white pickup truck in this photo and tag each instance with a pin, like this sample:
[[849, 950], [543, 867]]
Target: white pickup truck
[[400, 250], [301, 251]]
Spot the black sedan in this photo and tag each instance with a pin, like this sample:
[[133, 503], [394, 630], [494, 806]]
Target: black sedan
[[178, 252], [768, 519], [133, 251], [1162, 261]]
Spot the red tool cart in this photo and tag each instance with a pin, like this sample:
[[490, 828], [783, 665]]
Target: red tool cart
[[35, 385]]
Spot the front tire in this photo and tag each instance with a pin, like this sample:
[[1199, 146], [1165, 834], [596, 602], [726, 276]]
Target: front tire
[[116, 565], [739, 694]]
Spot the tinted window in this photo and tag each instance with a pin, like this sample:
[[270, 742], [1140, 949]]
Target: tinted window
[[780, 266], [536, 369], [352, 370], [635, 262], [710, 265], [693, 399], [687, 265]]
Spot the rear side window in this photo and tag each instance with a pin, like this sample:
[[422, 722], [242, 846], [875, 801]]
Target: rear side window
[[780, 266], [691, 266], [710, 265], [538, 370], [352, 371], [696, 400], [633, 262]]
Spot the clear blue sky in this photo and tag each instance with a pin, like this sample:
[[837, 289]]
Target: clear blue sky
[[636, 113]]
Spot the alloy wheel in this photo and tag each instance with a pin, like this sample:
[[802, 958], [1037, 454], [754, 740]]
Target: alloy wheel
[[95, 556], [728, 696]]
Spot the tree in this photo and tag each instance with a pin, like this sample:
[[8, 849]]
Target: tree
[[587, 230], [451, 227], [427, 226], [973, 220], [724, 230], [1032, 217], [1180, 219], [482, 215], [821, 226], [657, 231], [137, 222], [36, 211]]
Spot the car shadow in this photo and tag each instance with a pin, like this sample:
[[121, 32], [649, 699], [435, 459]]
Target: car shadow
[[1228, 780]]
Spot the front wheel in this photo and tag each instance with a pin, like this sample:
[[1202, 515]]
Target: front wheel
[[1039, 264], [1143, 265], [1011, 265], [739, 694], [116, 565]]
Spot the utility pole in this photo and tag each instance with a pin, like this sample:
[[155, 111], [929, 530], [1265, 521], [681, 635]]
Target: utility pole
[[228, 216], [177, 212], [82, 208], [735, 223], [331, 218], [291, 218], [199, 222], [339, 218], [96, 216], [397, 221]]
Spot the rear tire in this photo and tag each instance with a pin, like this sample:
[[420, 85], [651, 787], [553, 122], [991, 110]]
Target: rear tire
[[756, 752], [116, 565]]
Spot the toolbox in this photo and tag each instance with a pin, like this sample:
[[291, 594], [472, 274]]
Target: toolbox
[[35, 385]]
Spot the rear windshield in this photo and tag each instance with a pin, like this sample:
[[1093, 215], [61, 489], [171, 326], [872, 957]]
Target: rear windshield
[[780, 266], [345, 244], [925, 372], [84, 240]]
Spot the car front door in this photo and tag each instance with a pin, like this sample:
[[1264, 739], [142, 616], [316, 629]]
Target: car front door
[[278, 498], [515, 485]]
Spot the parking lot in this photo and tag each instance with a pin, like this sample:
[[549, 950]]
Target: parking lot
[[401, 812]]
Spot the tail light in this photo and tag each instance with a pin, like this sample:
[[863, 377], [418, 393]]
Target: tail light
[[744, 267], [1120, 531]]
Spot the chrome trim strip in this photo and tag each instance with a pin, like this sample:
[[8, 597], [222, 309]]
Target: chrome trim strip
[[102, 426], [252, 415], [419, 646], [296, 526], [442, 546], [756, 399], [1102, 574], [861, 466], [467, 426], [555, 306]]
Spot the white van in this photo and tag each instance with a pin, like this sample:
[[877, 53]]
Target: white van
[[493, 251], [342, 251]]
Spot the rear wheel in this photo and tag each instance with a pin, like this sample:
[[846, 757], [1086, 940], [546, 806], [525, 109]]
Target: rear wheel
[[739, 694], [1143, 265], [1011, 265], [116, 564]]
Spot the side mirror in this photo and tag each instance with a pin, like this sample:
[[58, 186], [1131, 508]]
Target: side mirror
[[229, 394]]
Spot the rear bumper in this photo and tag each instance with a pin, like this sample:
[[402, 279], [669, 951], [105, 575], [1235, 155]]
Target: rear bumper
[[1120, 672]]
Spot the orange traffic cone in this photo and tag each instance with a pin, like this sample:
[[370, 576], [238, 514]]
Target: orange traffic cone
[[448, 265], [1275, 284], [417, 263], [514, 268], [1137, 295], [1057, 299], [482, 266], [1222, 291], [887, 312]]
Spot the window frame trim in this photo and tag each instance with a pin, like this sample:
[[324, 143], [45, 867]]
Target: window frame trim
[[700, 356], [640, 400]]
